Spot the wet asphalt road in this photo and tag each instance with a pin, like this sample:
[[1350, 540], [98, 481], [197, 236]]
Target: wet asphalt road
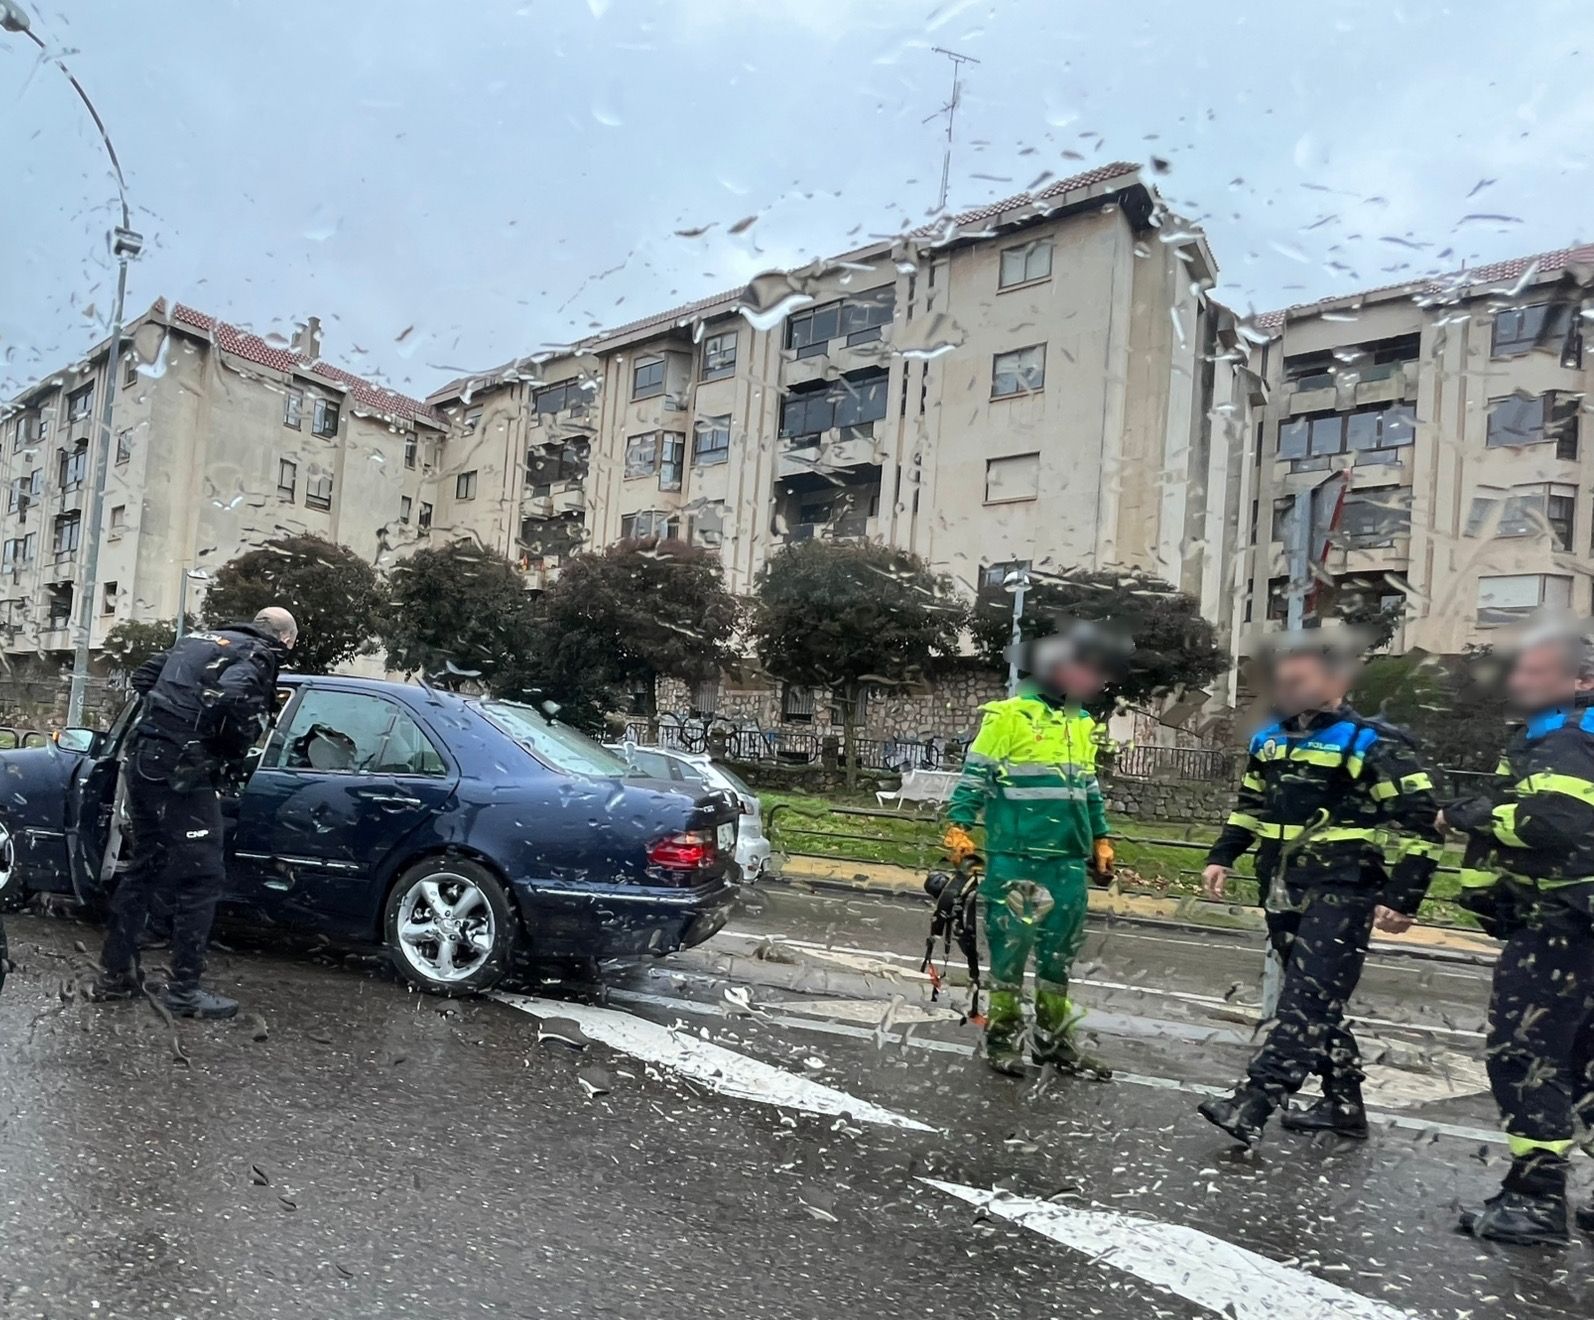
[[358, 1150]]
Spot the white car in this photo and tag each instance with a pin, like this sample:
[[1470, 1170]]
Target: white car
[[752, 848]]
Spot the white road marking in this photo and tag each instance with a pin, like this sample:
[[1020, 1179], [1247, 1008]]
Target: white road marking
[[714, 1066], [863, 1010], [1460, 1131], [1216, 1275]]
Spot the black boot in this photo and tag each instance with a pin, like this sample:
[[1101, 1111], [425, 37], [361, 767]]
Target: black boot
[[1242, 1115], [111, 987], [1340, 1112], [194, 1002], [1530, 1209]]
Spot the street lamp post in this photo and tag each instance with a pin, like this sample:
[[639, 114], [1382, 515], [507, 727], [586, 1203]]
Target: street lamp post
[[1018, 583], [189, 575], [126, 243]]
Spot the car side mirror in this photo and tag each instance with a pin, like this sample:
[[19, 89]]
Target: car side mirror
[[75, 740]]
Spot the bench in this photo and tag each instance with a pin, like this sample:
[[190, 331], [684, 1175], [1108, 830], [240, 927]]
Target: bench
[[920, 787]]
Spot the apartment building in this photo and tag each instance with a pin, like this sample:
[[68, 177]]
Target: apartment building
[[1039, 381], [1422, 446], [220, 440]]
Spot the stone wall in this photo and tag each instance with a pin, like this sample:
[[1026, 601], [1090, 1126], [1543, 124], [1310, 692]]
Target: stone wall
[[1170, 799], [34, 690]]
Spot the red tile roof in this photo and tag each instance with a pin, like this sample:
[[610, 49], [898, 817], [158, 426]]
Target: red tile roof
[[1542, 263], [367, 395], [732, 298]]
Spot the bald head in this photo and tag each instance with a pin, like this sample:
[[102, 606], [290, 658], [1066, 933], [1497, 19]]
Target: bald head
[[279, 623]]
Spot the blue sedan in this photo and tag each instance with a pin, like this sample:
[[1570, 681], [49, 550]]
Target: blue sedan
[[465, 834]]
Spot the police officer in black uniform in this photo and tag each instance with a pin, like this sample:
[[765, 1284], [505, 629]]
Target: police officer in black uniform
[[206, 701], [1530, 878], [1324, 789]]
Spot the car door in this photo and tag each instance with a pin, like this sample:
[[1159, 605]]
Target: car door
[[346, 779], [92, 825]]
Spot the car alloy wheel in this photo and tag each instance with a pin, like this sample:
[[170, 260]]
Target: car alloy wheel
[[447, 929], [10, 890]]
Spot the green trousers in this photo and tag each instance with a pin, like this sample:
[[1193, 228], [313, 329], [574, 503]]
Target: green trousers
[[1032, 904]]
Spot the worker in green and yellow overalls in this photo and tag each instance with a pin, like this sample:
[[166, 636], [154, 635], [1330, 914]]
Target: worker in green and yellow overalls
[[1031, 772]]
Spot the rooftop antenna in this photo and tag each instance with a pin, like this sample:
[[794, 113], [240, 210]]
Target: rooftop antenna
[[950, 110]]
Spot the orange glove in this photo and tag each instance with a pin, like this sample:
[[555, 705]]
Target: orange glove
[[1100, 865], [958, 843]]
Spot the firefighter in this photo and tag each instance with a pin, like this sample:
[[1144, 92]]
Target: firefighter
[[1530, 877], [1031, 772], [1323, 787]]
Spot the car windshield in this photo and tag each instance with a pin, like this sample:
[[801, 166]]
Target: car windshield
[[557, 744]]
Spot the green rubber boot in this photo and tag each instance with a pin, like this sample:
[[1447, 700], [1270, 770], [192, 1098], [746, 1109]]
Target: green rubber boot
[[1057, 1037], [1004, 1033]]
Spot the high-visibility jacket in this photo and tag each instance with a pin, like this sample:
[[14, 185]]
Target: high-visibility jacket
[[1536, 827], [1032, 773], [1321, 796]]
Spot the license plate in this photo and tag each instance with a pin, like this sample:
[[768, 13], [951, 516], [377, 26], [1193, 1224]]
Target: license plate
[[727, 837]]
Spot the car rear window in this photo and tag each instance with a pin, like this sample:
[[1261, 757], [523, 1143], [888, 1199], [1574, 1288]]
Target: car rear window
[[557, 744]]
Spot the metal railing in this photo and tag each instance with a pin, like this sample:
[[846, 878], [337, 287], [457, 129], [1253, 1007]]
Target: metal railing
[[1198, 764]]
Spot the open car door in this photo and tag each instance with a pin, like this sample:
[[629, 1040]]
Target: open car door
[[93, 835]]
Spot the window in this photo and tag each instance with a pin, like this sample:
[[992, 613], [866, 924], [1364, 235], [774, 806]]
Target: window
[[326, 418], [353, 733], [473, 419], [567, 396], [424, 522], [993, 577], [1013, 478], [671, 460], [287, 480], [1525, 511], [118, 521], [855, 401], [711, 440], [60, 613], [318, 491], [547, 464], [865, 316], [708, 524], [642, 455], [1508, 598], [80, 403], [1023, 371], [810, 332], [1369, 433], [1374, 517], [293, 408], [1293, 436], [124, 446], [405, 505], [411, 445], [1519, 330], [860, 318], [29, 545], [108, 598], [705, 700], [719, 355], [1025, 264], [8, 557], [647, 378], [465, 485], [797, 704], [73, 466], [1523, 419], [68, 530], [650, 523], [130, 371]]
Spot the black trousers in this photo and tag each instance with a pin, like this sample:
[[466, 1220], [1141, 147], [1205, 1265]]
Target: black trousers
[[177, 862], [1323, 943], [1541, 1036]]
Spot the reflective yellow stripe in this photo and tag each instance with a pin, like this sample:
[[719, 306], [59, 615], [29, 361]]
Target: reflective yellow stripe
[[1253, 782], [1418, 782], [1420, 848], [1521, 1146], [1244, 821], [1283, 751], [1504, 768], [1353, 764], [1505, 825], [1384, 790], [1339, 834], [1473, 877], [1566, 785]]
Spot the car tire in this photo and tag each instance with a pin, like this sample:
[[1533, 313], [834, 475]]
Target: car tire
[[449, 927], [13, 892]]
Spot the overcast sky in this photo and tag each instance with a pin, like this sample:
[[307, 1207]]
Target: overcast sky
[[449, 185]]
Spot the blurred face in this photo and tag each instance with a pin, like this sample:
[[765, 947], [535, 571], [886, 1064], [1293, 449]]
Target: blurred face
[[1308, 682], [1076, 679], [1543, 676]]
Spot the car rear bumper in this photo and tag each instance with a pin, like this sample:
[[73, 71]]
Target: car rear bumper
[[617, 921]]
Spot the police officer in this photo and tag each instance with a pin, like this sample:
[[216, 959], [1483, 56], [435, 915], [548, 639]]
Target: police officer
[[205, 702], [1530, 877], [1032, 773], [1322, 786]]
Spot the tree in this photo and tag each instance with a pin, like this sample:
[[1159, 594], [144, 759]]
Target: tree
[[332, 593], [460, 615], [1453, 706], [1174, 646], [840, 614], [637, 612], [133, 641]]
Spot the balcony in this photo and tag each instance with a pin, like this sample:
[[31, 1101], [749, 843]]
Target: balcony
[[843, 447], [563, 499], [71, 498], [847, 527]]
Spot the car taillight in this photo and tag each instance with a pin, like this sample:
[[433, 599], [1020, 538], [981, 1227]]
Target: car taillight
[[689, 850]]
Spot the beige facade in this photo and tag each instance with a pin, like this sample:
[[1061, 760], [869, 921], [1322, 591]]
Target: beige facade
[[1043, 380], [1428, 437], [219, 441]]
